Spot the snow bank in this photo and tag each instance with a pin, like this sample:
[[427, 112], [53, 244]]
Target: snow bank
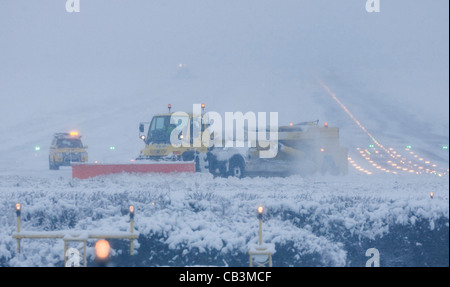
[[200, 220]]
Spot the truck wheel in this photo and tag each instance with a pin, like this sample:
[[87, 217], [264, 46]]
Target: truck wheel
[[236, 168], [53, 166], [188, 155]]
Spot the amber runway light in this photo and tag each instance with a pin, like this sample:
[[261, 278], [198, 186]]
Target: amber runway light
[[102, 249]]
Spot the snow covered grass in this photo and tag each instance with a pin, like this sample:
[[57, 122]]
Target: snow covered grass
[[196, 219]]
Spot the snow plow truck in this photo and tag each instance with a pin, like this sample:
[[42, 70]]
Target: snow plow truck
[[183, 142], [303, 148]]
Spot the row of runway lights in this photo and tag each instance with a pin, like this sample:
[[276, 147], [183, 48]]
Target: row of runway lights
[[103, 248], [399, 163], [415, 168]]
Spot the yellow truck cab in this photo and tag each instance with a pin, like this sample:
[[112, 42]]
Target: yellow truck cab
[[65, 149], [157, 138]]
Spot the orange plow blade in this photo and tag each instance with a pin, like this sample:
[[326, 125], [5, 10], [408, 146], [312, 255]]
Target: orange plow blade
[[85, 171]]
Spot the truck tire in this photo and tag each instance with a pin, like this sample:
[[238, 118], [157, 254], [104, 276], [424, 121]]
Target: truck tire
[[188, 155], [236, 167], [52, 166]]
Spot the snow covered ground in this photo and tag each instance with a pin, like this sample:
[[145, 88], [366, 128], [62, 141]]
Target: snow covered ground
[[200, 220], [111, 66], [186, 220]]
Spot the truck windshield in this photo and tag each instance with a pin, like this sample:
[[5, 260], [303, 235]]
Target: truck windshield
[[160, 128], [69, 143]]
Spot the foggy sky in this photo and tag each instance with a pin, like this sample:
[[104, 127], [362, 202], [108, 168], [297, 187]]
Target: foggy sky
[[234, 55]]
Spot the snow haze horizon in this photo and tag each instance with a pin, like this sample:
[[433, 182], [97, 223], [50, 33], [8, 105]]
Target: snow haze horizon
[[114, 64]]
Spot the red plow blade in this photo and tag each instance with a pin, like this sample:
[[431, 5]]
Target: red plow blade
[[85, 171]]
